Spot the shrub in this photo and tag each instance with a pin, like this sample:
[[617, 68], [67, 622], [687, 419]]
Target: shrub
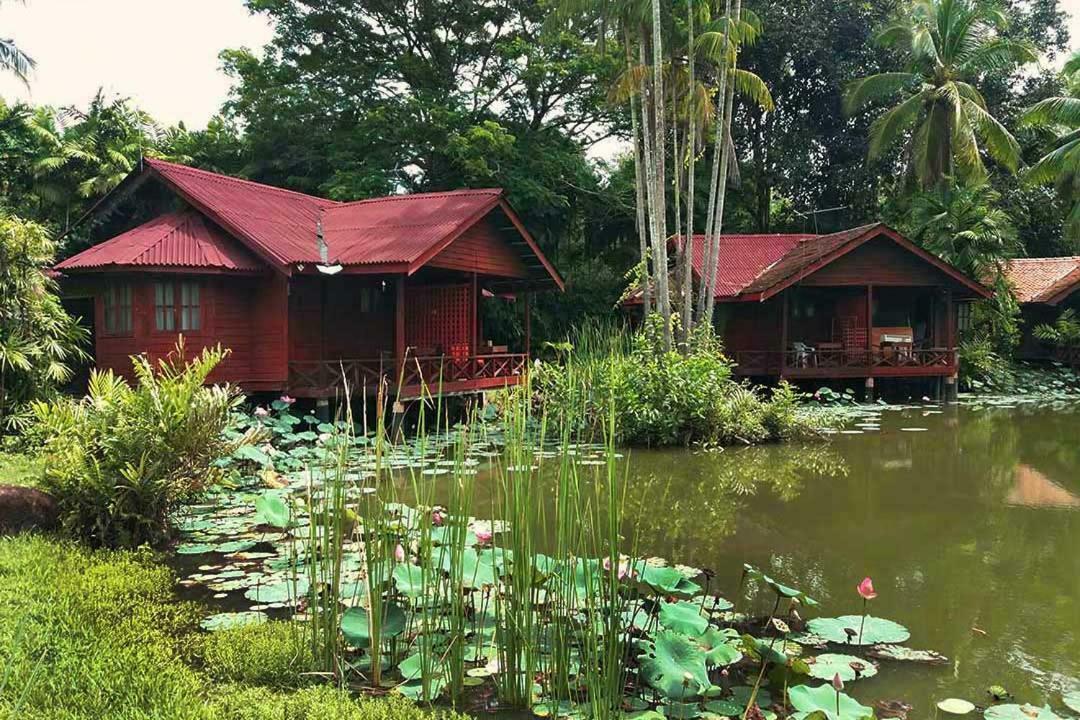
[[273, 654], [667, 398], [121, 459], [39, 341], [318, 703]]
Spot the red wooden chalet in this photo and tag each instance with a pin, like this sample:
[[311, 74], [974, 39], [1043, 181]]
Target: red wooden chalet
[[309, 293], [863, 303], [1044, 288]]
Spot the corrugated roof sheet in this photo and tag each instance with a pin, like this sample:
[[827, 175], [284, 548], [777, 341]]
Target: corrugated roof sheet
[[401, 228], [183, 239], [742, 258], [1041, 280], [805, 253]]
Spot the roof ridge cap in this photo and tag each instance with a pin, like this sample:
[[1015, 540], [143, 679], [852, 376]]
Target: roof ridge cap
[[413, 196], [221, 177]]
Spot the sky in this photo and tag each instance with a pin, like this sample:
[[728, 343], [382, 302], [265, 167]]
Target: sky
[[161, 53]]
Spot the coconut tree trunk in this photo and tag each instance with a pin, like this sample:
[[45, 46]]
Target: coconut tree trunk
[[712, 239], [687, 246], [639, 190], [659, 205], [726, 159]]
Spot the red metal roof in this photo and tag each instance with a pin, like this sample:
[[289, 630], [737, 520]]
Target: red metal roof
[[280, 226], [1044, 280], [402, 228], [182, 240], [754, 267]]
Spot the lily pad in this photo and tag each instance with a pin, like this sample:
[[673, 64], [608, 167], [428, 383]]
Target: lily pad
[[741, 694], [1012, 711], [224, 621], [823, 699], [829, 665], [356, 628], [1072, 700], [272, 509], [684, 617], [194, 549], [276, 592], [667, 580], [956, 706], [674, 666], [719, 647], [729, 708], [906, 654], [845, 630]]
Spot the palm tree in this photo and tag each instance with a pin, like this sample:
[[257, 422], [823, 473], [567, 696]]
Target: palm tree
[[12, 59], [966, 227], [1061, 165], [948, 45]]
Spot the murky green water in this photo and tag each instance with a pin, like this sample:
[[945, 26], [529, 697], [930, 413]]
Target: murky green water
[[969, 529]]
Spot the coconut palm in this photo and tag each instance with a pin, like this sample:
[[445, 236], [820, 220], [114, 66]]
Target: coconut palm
[[12, 59], [948, 45], [1061, 165]]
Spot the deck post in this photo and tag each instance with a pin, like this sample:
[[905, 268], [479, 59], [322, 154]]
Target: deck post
[[870, 328], [868, 395], [528, 323], [399, 330], [475, 340], [952, 389], [783, 332]]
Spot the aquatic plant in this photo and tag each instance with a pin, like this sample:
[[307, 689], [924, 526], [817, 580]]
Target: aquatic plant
[[866, 592]]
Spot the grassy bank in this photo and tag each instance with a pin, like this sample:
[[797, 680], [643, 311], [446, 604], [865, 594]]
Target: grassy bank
[[19, 469], [100, 635]]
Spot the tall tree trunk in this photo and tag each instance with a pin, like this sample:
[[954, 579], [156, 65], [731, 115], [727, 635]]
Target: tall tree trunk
[[639, 190], [687, 245], [712, 239], [659, 205], [726, 158]]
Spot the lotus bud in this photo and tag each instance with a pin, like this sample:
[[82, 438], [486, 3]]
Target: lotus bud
[[837, 683]]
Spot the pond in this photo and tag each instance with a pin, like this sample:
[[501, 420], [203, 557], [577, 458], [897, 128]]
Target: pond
[[968, 522], [967, 518]]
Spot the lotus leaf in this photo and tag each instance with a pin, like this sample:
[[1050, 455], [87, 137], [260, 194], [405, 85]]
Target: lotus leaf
[[741, 694], [875, 630], [224, 621], [667, 580], [356, 629], [234, 546], [408, 579], [279, 591], [719, 648], [1072, 700], [823, 699], [674, 666], [412, 668], [194, 549], [684, 617], [680, 711], [729, 708], [1012, 711], [272, 509], [955, 706], [899, 652], [828, 665], [415, 690]]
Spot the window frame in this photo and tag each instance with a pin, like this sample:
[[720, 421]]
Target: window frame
[[175, 309], [124, 325]]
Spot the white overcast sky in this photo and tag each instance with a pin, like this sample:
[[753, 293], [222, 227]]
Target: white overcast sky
[[161, 53]]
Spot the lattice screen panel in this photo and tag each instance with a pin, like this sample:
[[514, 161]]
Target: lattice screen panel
[[438, 320]]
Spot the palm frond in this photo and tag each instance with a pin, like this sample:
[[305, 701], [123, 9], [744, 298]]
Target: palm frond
[[888, 128], [752, 87], [15, 60], [876, 87], [1053, 165], [998, 54], [997, 140], [1053, 111]]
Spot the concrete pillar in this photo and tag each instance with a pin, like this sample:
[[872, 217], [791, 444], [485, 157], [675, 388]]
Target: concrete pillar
[[952, 389], [868, 396], [322, 409]]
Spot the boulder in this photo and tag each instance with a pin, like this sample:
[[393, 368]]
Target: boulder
[[24, 508]]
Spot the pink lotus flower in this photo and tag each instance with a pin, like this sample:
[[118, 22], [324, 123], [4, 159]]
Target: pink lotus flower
[[438, 517], [287, 400], [866, 589], [837, 683], [483, 537], [261, 412], [399, 553], [624, 568]]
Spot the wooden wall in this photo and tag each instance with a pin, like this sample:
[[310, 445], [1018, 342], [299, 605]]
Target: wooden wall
[[881, 262], [329, 319], [483, 250]]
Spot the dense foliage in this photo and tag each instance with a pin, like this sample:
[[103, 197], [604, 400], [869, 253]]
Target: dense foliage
[[667, 398], [120, 460], [86, 635], [40, 344]]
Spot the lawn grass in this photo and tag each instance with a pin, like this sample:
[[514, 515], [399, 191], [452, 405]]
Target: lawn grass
[[19, 469], [91, 635]]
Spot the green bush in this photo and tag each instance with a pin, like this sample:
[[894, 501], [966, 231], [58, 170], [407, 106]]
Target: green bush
[[667, 398], [87, 635], [274, 654], [121, 460]]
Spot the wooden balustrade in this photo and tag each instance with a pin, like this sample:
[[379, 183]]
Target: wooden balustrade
[[852, 362], [455, 374]]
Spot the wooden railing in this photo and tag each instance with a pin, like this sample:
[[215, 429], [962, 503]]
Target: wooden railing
[[823, 363], [329, 378]]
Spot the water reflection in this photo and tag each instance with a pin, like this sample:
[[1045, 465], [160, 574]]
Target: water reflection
[[1033, 489]]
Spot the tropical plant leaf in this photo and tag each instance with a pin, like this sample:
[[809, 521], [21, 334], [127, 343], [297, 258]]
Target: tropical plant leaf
[[845, 630], [674, 666], [684, 617], [823, 699], [848, 667], [355, 624]]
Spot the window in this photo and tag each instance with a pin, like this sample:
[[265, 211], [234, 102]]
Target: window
[[118, 315], [164, 309], [368, 299], [190, 316], [177, 305], [963, 317]]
